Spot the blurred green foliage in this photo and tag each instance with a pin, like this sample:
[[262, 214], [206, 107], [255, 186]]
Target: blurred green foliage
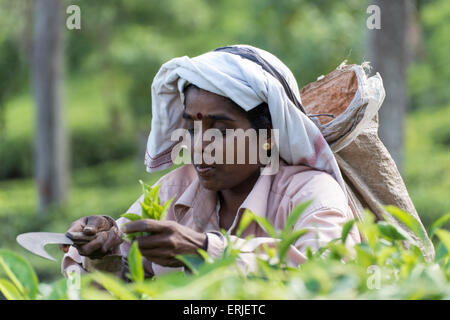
[[378, 268], [429, 78], [427, 161], [97, 132]]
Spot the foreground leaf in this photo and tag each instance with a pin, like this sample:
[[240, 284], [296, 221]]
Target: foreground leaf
[[20, 273], [246, 219], [438, 224], [294, 216], [408, 221], [266, 225], [444, 235], [290, 240], [9, 290], [346, 230], [135, 263], [389, 231], [113, 285], [165, 208]]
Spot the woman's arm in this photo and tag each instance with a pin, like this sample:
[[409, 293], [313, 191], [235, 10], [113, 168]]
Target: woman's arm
[[324, 225]]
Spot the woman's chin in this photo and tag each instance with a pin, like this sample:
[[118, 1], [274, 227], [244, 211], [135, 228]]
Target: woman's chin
[[211, 183]]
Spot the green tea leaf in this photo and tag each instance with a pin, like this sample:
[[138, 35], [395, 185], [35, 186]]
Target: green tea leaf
[[157, 210], [246, 219], [266, 225], [346, 230], [294, 216], [438, 224], [290, 239], [363, 257], [59, 291], [154, 194], [132, 236], [309, 253], [441, 252], [444, 236], [370, 233], [191, 261], [389, 231], [20, 273], [151, 206], [338, 251], [113, 285], [9, 290], [270, 251], [135, 263], [131, 216], [407, 220], [384, 253], [165, 208], [205, 255], [147, 211]]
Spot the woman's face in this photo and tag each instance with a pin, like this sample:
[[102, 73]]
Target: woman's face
[[217, 112]]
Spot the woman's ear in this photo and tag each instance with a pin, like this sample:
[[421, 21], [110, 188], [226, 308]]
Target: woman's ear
[[267, 145], [269, 135]]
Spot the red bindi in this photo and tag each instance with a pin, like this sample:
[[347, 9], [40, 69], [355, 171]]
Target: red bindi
[[199, 116]]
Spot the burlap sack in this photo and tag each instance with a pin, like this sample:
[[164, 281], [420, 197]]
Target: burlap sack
[[370, 173]]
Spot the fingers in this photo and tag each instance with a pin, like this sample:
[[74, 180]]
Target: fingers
[[93, 249], [90, 225], [155, 241], [161, 257], [96, 224], [104, 243], [156, 253], [78, 225], [93, 236], [146, 225], [114, 238], [64, 247], [160, 248]]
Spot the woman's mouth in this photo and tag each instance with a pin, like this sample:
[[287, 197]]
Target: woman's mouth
[[204, 170]]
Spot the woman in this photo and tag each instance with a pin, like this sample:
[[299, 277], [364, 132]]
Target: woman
[[230, 88]]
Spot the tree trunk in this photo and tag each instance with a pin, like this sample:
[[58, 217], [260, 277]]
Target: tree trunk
[[387, 51], [51, 165]]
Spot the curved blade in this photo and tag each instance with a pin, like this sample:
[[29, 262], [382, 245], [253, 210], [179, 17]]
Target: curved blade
[[36, 241]]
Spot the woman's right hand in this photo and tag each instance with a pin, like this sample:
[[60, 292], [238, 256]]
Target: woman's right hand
[[95, 236]]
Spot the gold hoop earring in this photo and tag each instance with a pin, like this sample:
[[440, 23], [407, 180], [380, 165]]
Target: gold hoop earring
[[266, 146]]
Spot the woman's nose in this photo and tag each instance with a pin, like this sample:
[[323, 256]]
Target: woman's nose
[[198, 144]]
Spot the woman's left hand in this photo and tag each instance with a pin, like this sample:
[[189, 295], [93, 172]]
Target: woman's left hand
[[167, 239]]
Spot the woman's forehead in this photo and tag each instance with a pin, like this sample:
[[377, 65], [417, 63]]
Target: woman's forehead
[[199, 101]]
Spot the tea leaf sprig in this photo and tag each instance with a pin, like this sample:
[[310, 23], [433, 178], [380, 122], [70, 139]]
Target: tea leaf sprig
[[151, 208]]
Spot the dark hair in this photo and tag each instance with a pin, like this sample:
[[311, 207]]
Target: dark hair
[[259, 116]]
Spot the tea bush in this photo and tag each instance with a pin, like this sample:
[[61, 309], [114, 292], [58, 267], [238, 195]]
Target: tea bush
[[378, 268]]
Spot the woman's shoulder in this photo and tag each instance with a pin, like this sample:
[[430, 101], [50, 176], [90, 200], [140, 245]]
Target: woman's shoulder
[[301, 183]]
